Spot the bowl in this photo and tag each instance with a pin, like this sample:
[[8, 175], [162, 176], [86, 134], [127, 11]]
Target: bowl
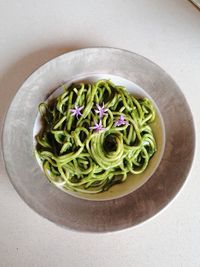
[[132, 182]]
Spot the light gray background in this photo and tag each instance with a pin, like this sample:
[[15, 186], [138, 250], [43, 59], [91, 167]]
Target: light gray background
[[168, 33]]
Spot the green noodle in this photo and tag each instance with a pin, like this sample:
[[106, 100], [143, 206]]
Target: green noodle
[[90, 160]]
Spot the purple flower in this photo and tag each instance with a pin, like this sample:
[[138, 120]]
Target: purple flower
[[98, 126], [76, 111], [101, 110], [121, 121]]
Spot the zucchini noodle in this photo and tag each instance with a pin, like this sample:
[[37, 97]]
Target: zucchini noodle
[[93, 135]]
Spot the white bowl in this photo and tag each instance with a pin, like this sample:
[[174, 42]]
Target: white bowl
[[132, 182]]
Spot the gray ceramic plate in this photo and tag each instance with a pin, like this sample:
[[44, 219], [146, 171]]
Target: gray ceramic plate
[[98, 216]]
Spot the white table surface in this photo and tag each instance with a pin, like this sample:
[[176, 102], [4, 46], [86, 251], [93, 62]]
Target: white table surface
[[168, 33]]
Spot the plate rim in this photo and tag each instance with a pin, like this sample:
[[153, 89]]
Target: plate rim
[[75, 51]]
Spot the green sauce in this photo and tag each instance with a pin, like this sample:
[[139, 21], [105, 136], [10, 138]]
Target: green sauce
[[94, 135]]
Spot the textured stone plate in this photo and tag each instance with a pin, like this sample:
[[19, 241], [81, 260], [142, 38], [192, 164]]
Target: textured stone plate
[[87, 215]]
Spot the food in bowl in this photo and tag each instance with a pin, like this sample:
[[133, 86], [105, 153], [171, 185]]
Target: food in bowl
[[93, 135]]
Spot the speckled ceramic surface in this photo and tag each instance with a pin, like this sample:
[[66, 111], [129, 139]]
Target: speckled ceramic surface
[[86, 215]]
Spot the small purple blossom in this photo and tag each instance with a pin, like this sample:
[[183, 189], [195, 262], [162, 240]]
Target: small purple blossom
[[76, 111], [101, 110], [121, 121], [98, 126]]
